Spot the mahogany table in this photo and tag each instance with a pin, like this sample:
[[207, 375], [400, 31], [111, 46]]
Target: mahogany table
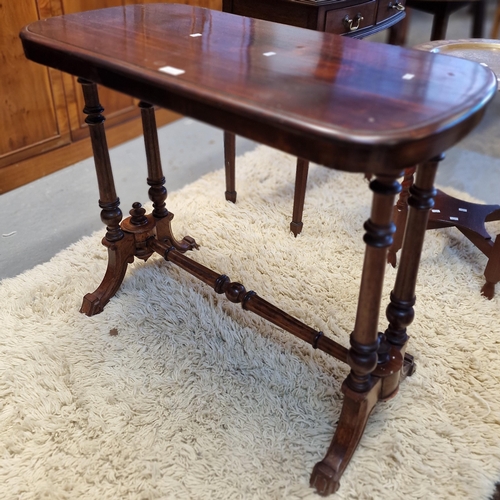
[[345, 104]]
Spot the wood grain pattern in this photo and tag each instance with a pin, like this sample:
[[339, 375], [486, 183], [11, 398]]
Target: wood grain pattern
[[19, 173], [32, 122], [414, 104], [119, 107]]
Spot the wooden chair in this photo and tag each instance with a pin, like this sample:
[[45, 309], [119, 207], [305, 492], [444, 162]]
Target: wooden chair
[[468, 218]]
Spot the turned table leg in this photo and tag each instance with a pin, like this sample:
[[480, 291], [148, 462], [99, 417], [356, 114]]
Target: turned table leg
[[361, 388], [400, 312], [120, 245], [156, 181], [126, 239]]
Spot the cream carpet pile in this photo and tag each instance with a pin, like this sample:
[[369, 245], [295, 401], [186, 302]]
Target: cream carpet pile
[[173, 392]]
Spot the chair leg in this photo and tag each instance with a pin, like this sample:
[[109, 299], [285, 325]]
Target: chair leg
[[399, 32], [439, 25], [478, 13], [492, 270], [299, 196], [399, 216], [229, 163], [496, 22]]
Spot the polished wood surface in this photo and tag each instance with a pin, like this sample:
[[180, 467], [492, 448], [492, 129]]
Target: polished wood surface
[[338, 101], [397, 123], [120, 107]]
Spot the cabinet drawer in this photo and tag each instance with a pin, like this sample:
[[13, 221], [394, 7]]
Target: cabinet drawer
[[351, 19], [389, 8]]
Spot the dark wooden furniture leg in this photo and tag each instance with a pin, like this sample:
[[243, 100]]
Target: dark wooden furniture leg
[[441, 10], [398, 32], [229, 163], [400, 214], [440, 24], [156, 181], [128, 239], [364, 385], [119, 244], [492, 270], [478, 14], [300, 181], [400, 312], [299, 196]]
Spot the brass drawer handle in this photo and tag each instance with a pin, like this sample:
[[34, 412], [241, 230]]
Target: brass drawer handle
[[397, 5], [349, 23]]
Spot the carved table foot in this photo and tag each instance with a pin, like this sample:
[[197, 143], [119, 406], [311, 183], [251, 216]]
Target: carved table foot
[[325, 477], [136, 229], [164, 233], [120, 255]]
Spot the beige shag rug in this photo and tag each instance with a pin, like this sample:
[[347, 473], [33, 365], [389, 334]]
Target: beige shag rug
[[194, 398]]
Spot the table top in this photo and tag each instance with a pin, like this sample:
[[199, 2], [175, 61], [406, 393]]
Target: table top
[[343, 103]]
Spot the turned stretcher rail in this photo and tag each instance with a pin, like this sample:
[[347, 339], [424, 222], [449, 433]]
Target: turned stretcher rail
[[250, 301]]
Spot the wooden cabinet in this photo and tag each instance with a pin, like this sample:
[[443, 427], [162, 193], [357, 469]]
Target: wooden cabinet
[[32, 121], [42, 126], [353, 18]]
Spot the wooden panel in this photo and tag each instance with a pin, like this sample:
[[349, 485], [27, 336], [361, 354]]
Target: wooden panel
[[30, 169], [32, 121]]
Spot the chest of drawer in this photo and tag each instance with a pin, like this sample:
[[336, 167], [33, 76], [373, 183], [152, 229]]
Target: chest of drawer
[[351, 19], [389, 8]]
